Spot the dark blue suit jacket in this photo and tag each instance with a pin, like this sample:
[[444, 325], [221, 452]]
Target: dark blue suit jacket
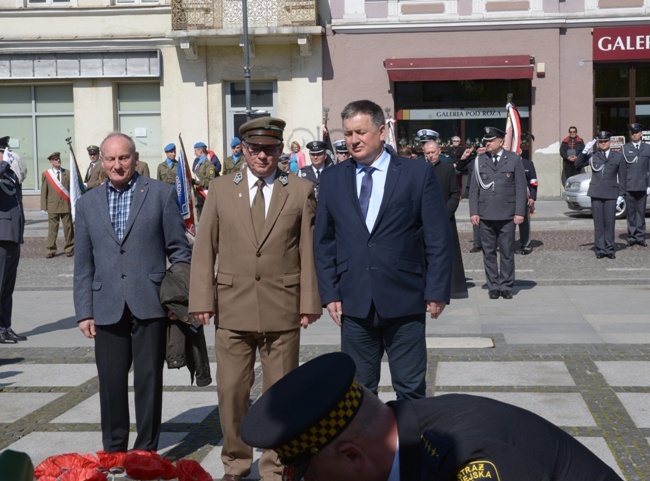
[[403, 262]]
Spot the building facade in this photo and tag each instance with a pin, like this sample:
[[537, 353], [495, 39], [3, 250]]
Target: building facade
[[153, 69], [449, 65]]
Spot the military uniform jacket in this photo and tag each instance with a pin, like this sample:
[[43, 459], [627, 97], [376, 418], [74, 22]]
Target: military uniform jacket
[[608, 173], [309, 174], [205, 173], [12, 218], [506, 197], [94, 175], [638, 166], [459, 437], [167, 174], [51, 200], [260, 287], [229, 165]]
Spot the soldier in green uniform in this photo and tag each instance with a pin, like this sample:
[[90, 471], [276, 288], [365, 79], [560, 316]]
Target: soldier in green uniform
[[236, 161], [203, 173], [167, 168]]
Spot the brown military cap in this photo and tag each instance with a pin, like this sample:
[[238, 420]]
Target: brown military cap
[[264, 130], [93, 149], [54, 154]]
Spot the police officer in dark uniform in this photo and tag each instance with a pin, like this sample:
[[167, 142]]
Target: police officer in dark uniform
[[342, 152], [324, 426], [319, 161], [637, 158], [606, 189], [166, 171], [497, 202]]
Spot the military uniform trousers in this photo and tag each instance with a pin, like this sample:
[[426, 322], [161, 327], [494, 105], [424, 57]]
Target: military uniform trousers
[[53, 220], [9, 258], [635, 202], [524, 230], [498, 233], [235, 355], [603, 212]]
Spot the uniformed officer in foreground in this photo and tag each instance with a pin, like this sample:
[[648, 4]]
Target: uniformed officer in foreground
[[637, 157], [326, 426], [167, 168], [606, 189], [497, 202], [342, 152]]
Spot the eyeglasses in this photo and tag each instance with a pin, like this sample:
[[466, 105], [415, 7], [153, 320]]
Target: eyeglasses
[[256, 149], [573, 131]]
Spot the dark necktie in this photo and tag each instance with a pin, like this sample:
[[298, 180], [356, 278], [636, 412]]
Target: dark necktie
[[257, 210], [495, 158], [58, 175], [366, 190], [317, 174], [90, 168]]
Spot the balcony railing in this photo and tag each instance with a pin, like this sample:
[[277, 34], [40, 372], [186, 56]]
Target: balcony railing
[[227, 14]]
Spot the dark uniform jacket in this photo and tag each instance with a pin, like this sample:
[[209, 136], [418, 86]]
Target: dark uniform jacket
[[608, 174], [458, 437], [309, 174], [638, 166], [12, 218], [507, 195]]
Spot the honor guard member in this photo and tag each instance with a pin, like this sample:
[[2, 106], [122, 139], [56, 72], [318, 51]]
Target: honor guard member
[[94, 175], [167, 168], [319, 161], [425, 135], [606, 189], [637, 158], [236, 161], [55, 201], [531, 198], [283, 163], [341, 151], [203, 172], [326, 426], [497, 202], [142, 168]]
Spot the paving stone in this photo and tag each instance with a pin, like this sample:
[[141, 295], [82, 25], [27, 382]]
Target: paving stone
[[638, 406], [599, 447], [51, 375], [503, 374], [18, 405], [625, 373]]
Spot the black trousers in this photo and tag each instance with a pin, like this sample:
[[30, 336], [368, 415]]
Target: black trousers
[[9, 258], [500, 275], [140, 342], [635, 205], [603, 212]]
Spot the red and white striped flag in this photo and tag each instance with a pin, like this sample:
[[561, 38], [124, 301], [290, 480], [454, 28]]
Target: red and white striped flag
[[512, 141]]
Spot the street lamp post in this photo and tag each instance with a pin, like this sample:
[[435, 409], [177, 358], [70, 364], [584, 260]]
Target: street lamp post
[[247, 67]]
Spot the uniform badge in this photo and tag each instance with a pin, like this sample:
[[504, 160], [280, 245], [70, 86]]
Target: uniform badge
[[508, 174], [211, 172], [284, 180], [478, 470], [303, 174], [238, 177]]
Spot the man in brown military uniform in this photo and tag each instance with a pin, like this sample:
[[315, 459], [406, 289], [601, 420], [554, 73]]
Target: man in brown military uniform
[[94, 175], [203, 172], [260, 220], [167, 168], [55, 200]]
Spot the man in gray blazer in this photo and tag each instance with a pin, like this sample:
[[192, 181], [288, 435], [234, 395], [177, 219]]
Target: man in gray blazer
[[12, 226], [637, 157], [497, 202], [126, 230]]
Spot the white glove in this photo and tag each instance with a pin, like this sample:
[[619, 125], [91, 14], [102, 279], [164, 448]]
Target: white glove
[[589, 146], [647, 191], [619, 200], [44, 212]]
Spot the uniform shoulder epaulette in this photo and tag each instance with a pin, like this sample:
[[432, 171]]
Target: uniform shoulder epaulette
[[434, 448], [238, 177]]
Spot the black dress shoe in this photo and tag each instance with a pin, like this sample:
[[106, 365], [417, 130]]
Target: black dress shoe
[[13, 336], [599, 256], [642, 243], [611, 256], [631, 243], [474, 250], [5, 339], [494, 294], [506, 294]]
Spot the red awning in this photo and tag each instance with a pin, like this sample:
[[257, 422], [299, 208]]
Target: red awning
[[459, 68]]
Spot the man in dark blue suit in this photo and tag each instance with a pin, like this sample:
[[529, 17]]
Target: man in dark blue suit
[[382, 245]]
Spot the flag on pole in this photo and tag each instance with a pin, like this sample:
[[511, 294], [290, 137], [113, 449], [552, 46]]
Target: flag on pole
[[512, 141], [77, 188], [390, 133], [184, 192]]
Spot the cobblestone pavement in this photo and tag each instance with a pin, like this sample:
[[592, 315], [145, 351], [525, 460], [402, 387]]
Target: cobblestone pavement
[[597, 391]]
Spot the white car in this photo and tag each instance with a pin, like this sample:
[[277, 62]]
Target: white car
[[575, 195]]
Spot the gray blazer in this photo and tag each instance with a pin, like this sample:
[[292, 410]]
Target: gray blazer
[[109, 274], [12, 219], [608, 173], [507, 195], [638, 166]]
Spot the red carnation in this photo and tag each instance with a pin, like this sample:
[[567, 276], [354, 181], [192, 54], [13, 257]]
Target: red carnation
[[144, 465], [111, 460], [54, 465], [83, 474]]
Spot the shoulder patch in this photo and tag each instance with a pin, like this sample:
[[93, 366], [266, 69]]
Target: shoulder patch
[[211, 172], [478, 470], [238, 177]]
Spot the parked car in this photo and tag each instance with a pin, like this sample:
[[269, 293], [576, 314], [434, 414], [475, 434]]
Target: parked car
[[575, 195]]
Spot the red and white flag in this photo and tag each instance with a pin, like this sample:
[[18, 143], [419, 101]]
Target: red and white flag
[[512, 140]]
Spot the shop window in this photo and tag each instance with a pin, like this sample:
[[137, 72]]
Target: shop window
[[613, 82], [38, 120], [138, 113]]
